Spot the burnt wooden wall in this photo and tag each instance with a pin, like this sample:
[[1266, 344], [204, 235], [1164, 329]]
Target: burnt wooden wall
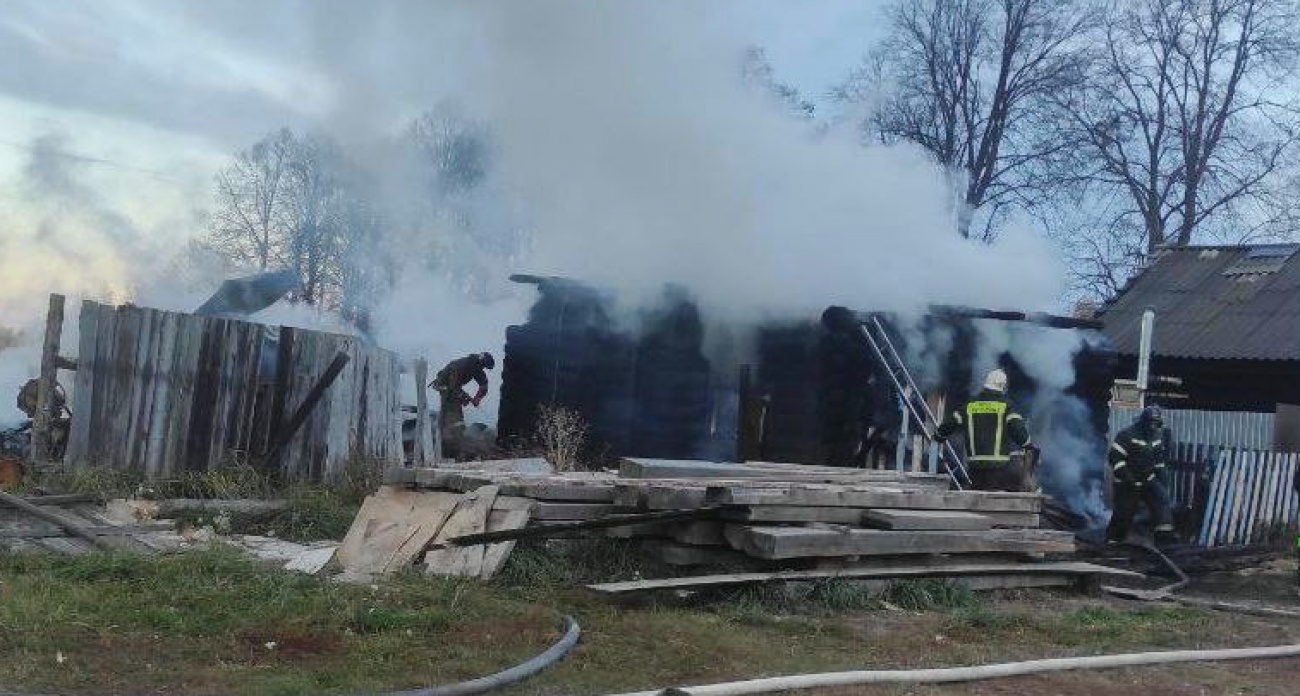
[[161, 393]]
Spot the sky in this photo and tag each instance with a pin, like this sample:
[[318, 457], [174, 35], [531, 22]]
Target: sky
[[145, 100], [114, 117], [155, 86]]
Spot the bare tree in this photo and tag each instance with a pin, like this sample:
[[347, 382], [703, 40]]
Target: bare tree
[[757, 72], [291, 201], [970, 81], [249, 222], [1185, 123]]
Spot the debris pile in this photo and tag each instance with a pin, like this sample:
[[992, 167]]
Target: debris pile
[[768, 520]]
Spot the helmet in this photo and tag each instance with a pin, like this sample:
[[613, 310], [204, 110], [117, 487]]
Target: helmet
[[996, 381], [1152, 416], [486, 360]]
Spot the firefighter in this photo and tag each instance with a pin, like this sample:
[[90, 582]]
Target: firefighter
[[450, 382], [996, 438], [1137, 457]]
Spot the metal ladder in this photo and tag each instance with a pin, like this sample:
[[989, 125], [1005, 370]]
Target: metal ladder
[[878, 338]]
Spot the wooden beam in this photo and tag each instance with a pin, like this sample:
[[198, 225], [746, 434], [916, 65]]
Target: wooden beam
[[424, 452], [575, 511], [309, 402], [920, 570], [804, 542], [72, 528], [43, 420], [875, 496], [914, 520], [543, 530], [102, 530]]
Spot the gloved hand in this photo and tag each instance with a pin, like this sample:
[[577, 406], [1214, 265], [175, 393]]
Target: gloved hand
[[476, 401], [465, 400]]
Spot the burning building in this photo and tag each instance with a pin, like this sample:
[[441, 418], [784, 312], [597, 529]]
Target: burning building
[[670, 383]]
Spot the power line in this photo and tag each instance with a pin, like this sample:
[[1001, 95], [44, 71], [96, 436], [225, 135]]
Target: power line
[[86, 159]]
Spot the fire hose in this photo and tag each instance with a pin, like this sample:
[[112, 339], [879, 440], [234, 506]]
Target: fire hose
[[975, 673], [507, 677], [1013, 669]]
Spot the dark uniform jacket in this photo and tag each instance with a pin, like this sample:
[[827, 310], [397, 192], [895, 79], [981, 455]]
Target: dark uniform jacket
[[992, 429], [460, 372], [1137, 456]]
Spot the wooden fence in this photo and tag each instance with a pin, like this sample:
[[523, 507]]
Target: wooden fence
[[1250, 498], [159, 393]]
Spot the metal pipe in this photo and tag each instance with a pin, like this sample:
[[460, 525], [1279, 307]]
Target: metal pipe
[[1144, 351]]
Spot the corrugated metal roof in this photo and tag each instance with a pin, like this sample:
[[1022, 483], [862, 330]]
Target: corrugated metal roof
[[1206, 308]]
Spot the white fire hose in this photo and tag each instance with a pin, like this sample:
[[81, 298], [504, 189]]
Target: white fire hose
[[961, 674]]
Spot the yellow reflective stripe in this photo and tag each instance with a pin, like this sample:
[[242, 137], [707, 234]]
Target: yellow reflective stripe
[[1120, 465], [1138, 442], [1157, 443], [956, 416], [1164, 528], [1151, 477], [1014, 416], [994, 408], [1116, 446], [997, 437]]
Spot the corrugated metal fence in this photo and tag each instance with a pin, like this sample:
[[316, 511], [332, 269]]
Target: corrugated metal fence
[[158, 393], [1217, 428]]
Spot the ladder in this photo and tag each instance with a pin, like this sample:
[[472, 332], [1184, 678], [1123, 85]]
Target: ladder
[[878, 338]]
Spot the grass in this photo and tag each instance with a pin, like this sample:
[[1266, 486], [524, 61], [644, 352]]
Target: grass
[[113, 623]]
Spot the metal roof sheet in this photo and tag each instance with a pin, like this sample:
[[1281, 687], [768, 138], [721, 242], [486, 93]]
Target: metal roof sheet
[[1206, 308]]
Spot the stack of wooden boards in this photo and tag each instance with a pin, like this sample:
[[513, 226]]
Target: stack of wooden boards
[[72, 525], [765, 517]]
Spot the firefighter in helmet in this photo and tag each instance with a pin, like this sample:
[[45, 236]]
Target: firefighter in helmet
[[1137, 458], [450, 383], [996, 438]]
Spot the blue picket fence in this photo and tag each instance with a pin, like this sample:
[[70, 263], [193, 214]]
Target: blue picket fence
[[1249, 498]]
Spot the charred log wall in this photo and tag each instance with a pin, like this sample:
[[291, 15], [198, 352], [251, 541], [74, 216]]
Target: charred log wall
[[643, 390]]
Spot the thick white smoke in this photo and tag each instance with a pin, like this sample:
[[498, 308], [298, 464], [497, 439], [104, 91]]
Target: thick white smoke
[[623, 141], [643, 158]]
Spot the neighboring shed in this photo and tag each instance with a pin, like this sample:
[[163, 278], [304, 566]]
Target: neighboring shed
[[161, 393], [1227, 326]]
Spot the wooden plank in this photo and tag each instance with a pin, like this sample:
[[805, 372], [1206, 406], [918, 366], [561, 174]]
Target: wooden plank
[[43, 420], [97, 530], [795, 514], [802, 542], [423, 526], [575, 511], [876, 497], [926, 520], [507, 514], [469, 518], [853, 516], [423, 431], [922, 570], [1217, 483], [82, 396], [637, 468], [547, 529]]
